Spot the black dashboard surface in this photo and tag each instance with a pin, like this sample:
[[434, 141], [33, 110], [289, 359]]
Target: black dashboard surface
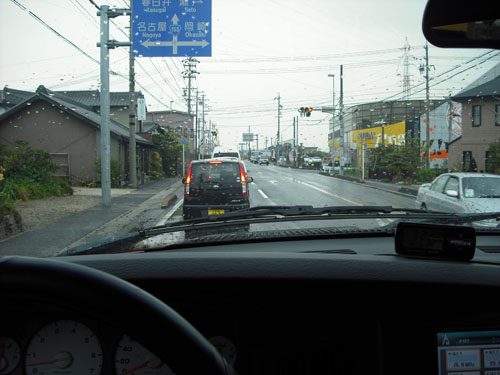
[[345, 306]]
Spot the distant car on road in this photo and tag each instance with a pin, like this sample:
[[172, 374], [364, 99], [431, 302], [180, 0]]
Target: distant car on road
[[214, 187], [264, 161], [461, 193], [220, 151]]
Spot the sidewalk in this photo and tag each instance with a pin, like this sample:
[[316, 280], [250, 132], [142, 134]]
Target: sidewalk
[[126, 204]]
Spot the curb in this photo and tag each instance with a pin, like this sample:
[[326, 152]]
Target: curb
[[166, 203]]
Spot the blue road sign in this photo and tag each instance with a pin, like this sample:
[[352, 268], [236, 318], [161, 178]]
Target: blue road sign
[[171, 28], [183, 141]]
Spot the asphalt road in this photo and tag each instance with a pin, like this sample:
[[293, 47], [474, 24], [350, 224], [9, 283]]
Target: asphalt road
[[275, 185]]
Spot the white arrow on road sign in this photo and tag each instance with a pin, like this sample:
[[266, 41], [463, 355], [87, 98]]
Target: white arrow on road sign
[[175, 43]]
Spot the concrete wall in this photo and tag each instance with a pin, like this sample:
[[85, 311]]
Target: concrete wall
[[54, 131], [476, 139]]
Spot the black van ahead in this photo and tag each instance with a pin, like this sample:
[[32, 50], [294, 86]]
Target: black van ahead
[[214, 187]]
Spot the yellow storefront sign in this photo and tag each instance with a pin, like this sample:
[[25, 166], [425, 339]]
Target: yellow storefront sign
[[394, 134]]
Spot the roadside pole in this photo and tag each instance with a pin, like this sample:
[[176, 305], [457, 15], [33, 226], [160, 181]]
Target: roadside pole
[[105, 147], [132, 171], [363, 161], [183, 162], [104, 102]]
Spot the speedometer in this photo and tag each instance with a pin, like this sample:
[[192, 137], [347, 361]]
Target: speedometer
[[133, 358], [64, 347]]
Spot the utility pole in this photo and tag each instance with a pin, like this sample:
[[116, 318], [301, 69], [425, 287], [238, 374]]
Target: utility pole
[[279, 117], [132, 118], [196, 135], [203, 118], [105, 144], [297, 122], [341, 118], [189, 73], [333, 109], [427, 124]]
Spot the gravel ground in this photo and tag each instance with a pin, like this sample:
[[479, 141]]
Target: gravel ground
[[43, 211]]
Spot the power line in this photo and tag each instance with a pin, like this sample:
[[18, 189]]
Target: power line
[[54, 31]]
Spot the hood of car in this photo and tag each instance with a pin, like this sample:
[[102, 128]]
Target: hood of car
[[482, 204]]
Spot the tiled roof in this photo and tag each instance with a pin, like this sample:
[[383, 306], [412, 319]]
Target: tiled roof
[[488, 89], [76, 110]]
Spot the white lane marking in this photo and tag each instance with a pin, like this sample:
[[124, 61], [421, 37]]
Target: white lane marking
[[170, 213], [263, 194], [274, 182], [328, 192]]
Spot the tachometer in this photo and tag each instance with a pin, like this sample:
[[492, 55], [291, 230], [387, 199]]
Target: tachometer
[[9, 355], [64, 347], [133, 358]]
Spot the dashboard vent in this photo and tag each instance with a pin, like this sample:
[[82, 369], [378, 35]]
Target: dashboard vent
[[490, 249]]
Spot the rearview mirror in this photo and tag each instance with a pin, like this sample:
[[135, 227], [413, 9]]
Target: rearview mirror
[[452, 193], [462, 24], [184, 180]]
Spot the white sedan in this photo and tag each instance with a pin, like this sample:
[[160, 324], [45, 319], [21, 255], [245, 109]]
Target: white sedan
[[460, 193]]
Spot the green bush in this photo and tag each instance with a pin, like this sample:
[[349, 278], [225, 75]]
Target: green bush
[[115, 171], [156, 166], [26, 173]]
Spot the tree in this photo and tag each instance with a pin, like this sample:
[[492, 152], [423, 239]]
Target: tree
[[168, 145], [156, 165], [397, 163], [494, 158]]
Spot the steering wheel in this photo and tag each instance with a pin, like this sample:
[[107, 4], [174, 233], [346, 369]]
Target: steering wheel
[[144, 317]]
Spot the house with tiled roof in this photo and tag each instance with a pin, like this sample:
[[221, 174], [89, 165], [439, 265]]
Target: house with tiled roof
[[67, 126], [480, 126]]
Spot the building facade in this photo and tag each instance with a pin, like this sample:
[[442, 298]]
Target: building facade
[[480, 127]]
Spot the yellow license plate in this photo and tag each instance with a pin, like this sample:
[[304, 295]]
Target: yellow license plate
[[212, 211]]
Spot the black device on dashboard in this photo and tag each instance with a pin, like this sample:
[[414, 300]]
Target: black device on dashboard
[[437, 241]]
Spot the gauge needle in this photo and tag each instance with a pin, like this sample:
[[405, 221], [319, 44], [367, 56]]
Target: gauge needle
[[144, 364], [42, 363]]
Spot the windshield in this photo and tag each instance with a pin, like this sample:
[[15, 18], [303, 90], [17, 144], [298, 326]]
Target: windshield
[[475, 187], [327, 104]]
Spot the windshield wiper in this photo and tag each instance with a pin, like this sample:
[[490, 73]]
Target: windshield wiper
[[489, 196], [273, 214]]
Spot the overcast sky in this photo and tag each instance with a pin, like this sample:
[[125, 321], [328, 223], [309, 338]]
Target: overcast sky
[[260, 48]]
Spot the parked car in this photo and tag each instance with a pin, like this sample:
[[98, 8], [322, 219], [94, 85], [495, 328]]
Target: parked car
[[264, 161], [215, 187], [461, 193]]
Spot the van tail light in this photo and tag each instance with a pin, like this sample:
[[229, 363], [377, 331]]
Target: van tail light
[[243, 180], [187, 184]]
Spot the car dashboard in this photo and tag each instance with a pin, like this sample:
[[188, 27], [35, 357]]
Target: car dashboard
[[325, 306]]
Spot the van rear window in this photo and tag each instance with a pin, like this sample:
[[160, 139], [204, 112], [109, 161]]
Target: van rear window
[[222, 172], [226, 154]]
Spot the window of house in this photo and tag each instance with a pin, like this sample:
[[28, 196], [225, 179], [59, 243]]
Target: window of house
[[476, 115], [497, 114]]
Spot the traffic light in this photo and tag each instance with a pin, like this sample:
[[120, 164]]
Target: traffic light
[[305, 111]]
